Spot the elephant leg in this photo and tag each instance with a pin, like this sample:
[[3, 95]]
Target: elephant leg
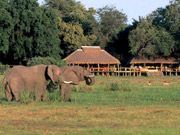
[[16, 92], [39, 92], [65, 92], [63, 87], [16, 96], [44, 96], [8, 93], [16, 86]]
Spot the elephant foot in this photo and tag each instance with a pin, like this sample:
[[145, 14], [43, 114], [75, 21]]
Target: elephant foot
[[66, 100], [69, 100], [44, 98]]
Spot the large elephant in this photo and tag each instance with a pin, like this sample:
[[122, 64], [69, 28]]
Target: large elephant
[[32, 79], [72, 75]]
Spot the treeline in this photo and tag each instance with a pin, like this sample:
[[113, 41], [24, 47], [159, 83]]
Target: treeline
[[59, 27]]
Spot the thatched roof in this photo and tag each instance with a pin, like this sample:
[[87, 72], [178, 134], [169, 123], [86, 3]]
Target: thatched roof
[[91, 55], [139, 60]]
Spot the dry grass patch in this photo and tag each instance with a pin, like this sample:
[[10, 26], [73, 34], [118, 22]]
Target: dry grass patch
[[68, 119]]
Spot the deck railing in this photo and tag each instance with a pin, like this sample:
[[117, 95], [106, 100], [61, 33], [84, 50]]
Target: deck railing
[[135, 71]]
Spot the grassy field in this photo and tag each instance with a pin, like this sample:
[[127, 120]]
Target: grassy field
[[113, 106]]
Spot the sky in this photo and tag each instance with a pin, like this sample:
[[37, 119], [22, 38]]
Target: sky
[[132, 8]]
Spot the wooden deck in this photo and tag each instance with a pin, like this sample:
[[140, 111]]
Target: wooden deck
[[126, 71]]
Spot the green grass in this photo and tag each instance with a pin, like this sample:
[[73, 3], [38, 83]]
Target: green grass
[[114, 105]]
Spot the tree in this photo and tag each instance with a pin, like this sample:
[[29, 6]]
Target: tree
[[111, 21], [5, 28], [168, 18], [34, 32], [72, 37], [119, 46], [150, 40], [46, 34], [76, 24]]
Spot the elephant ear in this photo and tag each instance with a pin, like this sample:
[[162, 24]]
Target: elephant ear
[[71, 76], [50, 73]]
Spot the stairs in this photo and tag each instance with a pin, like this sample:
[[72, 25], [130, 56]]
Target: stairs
[[155, 74]]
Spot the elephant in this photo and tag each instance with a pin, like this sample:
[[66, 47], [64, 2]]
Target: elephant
[[72, 75], [32, 79]]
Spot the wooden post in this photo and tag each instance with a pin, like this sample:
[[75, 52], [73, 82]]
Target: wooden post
[[176, 72], [125, 72], [161, 66], [119, 69], [102, 73], [134, 72], [170, 72]]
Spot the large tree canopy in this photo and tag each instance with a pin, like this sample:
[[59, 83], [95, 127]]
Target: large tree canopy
[[169, 19], [111, 21], [76, 24], [32, 31], [72, 37], [150, 40], [59, 27], [5, 26]]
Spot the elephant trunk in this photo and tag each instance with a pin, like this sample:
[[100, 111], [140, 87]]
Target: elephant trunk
[[90, 80]]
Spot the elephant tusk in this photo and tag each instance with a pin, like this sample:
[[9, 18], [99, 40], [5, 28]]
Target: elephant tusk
[[68, 82], [91, 75]]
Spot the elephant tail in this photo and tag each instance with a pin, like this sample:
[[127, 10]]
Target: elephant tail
[[4, 83], [7, 90]]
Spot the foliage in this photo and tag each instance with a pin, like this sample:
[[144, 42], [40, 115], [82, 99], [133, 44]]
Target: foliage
[[111, 21], [24, 28], [72, 37], [150, 40], [5, 26], [116, 86], [27, 97], [76, 24], [46, 61], [4, 69], [119, 46], [61, 26], [54, 96], [168, 18]]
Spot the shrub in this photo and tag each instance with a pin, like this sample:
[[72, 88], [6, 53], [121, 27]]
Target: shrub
[[115, 86], [125, 86], [27, 97], [112, 86], [3, 69], [47, 61], [54, 96]]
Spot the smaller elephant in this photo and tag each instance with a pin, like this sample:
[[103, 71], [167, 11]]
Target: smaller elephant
[[72, 75], [31, 79]]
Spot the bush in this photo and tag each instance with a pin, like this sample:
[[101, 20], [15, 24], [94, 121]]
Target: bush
[[47, 61], [115, 86], [54, 96], [125, 86], [27, 97], [3, 69], [112, 86]]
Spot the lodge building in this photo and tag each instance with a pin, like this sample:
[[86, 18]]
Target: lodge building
[[95, 59], [101, 62]]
